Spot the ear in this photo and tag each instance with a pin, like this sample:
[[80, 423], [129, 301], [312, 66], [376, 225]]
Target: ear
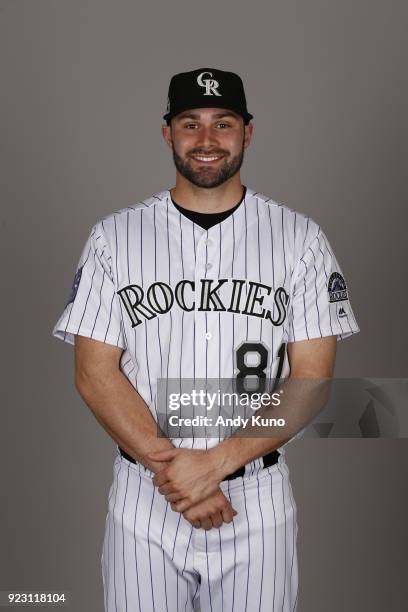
[[166, 131], [248, 129]]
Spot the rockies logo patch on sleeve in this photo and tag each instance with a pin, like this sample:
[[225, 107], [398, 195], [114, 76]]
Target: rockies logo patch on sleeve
[[75, 286], [337, 288]]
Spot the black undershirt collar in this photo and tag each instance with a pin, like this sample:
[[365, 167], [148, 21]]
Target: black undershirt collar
[[207, 220]]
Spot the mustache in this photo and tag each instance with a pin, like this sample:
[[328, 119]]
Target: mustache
[[207, 153]]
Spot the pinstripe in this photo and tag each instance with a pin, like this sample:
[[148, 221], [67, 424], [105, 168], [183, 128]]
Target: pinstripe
[[263, 546], [219, 317], [233, 318], [304, 307], [182, 316], [208, 573], [123, 537], [100, 303], [283, 249], [109, 322], [221, 581], [206, 331], [184, 567], [232, 276], [155, 243], [235, 553], [175, 536], [181, 246], [284, 555], [205, 276], [306, 232], [116, 246], [327, 277], [141, 246], [273, 285], [111, 305], [354, 326], [89, 293], [174, 544], [315, 284], [259, 260], [121, 328], [274, 541], [147, 364], [168, 235], [248, 541], [220, 251], [141, 275], [114, 544], [155, 279], [168, 256], [134, 539], [194, 324], [114, 488], [148, 545], [246, 263], [127, 244]]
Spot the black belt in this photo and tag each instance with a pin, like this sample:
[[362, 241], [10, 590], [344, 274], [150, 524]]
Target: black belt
[[269, 459]]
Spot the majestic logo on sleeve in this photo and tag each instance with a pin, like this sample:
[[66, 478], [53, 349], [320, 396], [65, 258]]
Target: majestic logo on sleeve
[[211, 85], [160, 297], [75, 286], [337, 288]]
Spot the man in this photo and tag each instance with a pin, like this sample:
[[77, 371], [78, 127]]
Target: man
[[208, 280]]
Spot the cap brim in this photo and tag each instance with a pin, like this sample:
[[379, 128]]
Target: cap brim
[[246, 116]]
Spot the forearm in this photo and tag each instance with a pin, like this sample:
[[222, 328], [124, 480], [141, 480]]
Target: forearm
[[123, 414], [301, 400], [234, 452]]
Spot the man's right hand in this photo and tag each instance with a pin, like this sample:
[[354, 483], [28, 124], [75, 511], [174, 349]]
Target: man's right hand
[[213, 511]]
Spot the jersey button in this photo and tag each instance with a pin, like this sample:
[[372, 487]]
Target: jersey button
[[208, 266], [208, 336]]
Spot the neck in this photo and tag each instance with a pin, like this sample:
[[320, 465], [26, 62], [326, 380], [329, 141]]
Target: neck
[[213, 200]]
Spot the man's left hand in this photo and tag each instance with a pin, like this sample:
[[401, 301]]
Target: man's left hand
[[190, 477]]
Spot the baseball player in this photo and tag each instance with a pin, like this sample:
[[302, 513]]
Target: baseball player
[[207, 280]]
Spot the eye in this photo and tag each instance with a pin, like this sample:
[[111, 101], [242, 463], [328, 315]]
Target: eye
[[193, 125]]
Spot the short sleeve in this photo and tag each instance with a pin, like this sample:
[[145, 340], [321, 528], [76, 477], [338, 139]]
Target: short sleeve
[[320, 303], [93, 308]]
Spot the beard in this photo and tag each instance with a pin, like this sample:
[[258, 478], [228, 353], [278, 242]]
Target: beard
[[207, 177]]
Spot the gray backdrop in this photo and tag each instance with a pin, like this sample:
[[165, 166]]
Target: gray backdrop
[[83, 89]]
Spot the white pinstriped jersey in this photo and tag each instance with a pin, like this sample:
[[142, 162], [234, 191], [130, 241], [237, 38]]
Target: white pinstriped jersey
[[180, 299]]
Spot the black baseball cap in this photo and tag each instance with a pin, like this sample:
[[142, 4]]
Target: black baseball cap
[[206, 88]]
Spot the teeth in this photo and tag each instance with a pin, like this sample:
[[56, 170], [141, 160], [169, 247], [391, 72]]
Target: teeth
[[206, 158]]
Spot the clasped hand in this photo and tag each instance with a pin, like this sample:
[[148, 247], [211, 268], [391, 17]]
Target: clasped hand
[[190, 482], [190, 477]]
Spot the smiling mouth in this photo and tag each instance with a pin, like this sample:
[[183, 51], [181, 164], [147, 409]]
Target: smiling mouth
[[207, 159]]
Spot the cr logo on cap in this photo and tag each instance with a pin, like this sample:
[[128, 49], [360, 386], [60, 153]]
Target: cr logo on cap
[[211, 85]]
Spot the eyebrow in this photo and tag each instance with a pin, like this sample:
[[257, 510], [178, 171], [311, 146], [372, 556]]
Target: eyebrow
[[189, 115]]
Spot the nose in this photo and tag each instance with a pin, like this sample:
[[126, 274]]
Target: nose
[[207, 137]]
